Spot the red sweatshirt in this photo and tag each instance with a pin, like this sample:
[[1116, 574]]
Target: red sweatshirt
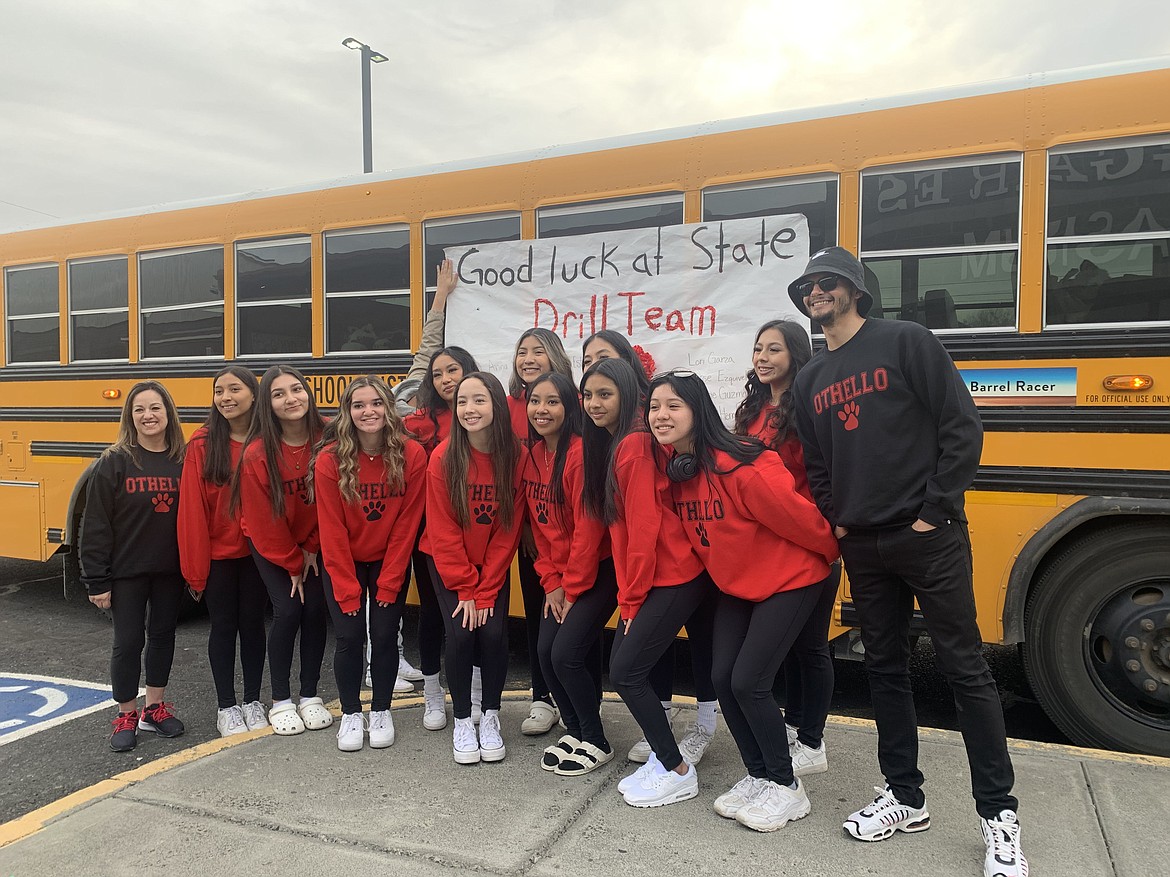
[[753, 532], [518, 410], [279, 540], [650, 549], [472, 561], [791, 452], [207, 531], [569, 542], [380, 526], [420, 425]]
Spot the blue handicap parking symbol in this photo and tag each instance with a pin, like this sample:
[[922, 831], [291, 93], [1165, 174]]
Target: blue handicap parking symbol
[[34, 703]]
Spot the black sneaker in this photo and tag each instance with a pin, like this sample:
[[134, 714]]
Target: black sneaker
[[158, 718], [125, 736]]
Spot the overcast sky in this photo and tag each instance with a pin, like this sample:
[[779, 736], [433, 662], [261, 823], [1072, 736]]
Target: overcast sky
[[107, 105]]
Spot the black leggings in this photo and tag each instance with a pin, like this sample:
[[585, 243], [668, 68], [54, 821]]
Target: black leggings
[[430, 617], [349, 656], [635, 653], [808, 669], [488, 644], [570, 654], [533, 593], [236, 599], [290, 616], [135, 628], [751, 640]]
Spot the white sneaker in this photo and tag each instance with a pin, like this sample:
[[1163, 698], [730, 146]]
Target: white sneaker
[[231, 721], [476, 695], [352, 733], [774, 807], [664, 788], [254, 715], [694, 743], [407, 671], [793, 734], [434, 710], [806, 760], [640, 751], [381, 729], [403, 686], [466, 743], [884, 816], [647, 769], [491, 742], [738, 796], [541, 718], [1004, 856]]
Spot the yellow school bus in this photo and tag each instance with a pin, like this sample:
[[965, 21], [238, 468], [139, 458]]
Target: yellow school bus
[[1025, 222]]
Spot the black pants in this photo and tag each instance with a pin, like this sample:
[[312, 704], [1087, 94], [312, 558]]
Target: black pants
[[533, 593], [289, 617], [570, 654], [430, 617], [488, 644], [349, 631], [888, 570], [699, 636], [146, 613], [236, 599], [751, 640], [808, 669], [635, 653]]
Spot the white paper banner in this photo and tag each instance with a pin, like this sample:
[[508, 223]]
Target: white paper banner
[[692, 296]]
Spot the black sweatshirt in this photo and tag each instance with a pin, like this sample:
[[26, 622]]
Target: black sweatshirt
[[129, 524], [889, 430]]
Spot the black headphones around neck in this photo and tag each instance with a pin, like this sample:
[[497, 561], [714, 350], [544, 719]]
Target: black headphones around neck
[[682, 467]]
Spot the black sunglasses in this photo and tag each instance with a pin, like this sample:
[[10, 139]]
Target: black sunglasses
[[827, 284]]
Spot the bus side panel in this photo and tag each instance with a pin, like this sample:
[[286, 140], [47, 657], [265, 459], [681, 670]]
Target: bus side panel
[[23, 505]]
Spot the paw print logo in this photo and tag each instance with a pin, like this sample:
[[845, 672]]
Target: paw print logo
[[162, 502], [848, 415], [484, 513], [542, 512], [701, 530], [303, 497], [374, 510]]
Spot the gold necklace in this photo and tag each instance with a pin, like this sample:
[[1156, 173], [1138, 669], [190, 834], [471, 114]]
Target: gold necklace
[[298, 458]]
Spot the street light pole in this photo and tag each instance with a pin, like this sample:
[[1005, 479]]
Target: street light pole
[[368, 55]]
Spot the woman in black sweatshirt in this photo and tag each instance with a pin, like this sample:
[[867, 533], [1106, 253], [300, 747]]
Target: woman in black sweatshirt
[[130, 556]]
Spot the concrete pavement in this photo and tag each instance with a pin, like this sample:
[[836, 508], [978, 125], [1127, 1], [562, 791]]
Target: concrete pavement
[[261, 804]]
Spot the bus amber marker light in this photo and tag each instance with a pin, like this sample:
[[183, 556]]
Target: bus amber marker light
[[1128, 383], [111, 394]]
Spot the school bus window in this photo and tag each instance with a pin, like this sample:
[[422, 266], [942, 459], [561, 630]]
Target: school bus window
[[1108, 244], [32, 312], [438, 234], [942, 243], [274, 309], [99, 313], [598, 216], [815, 198], [180, 297], [367, 290]]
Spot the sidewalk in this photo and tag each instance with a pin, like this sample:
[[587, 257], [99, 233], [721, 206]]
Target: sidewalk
[[261, 804]]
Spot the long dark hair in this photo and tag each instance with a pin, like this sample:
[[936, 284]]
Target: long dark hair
[[217, 458], [570, 427], [503, 448], [618, 342], [557, 357], [708, 434], [266, 427], [759, 395], [599, 445]]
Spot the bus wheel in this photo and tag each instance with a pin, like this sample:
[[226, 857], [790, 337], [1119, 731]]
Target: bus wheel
[[1097, 639]]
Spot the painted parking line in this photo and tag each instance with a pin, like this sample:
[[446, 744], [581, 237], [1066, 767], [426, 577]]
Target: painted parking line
[[30, 703]]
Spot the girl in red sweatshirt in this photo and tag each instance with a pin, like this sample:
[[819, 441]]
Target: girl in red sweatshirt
[[781, 350], [660, 580], [430, 423], [538, 352], [474, 507], [576, 573], [216, 561], [769, 551], [368, 486], [280, 522]]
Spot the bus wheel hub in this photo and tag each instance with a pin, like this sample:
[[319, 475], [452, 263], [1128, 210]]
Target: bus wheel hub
[[1129, 645]]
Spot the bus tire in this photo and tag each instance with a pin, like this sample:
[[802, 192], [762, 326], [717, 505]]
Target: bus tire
[[1097, 639]]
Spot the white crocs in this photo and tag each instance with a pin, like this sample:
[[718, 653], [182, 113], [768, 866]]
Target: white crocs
[[313, 713], [285, 720]]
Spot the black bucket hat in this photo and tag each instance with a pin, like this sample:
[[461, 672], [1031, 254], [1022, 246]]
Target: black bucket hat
[[833, 260]]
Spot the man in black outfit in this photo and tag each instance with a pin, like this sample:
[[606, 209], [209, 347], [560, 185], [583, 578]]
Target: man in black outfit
[[891, 441]]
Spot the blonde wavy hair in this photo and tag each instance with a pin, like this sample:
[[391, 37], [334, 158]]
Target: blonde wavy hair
[[346, 445]]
